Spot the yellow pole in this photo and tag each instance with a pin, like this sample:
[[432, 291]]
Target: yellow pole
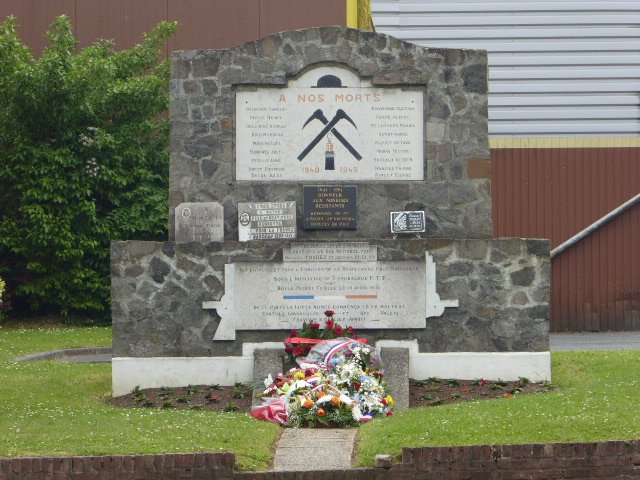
[[359, 14], [352, 13]]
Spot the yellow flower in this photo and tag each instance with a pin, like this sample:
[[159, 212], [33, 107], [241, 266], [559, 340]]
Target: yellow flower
[[298, 375], [335, 401], [390, 400]]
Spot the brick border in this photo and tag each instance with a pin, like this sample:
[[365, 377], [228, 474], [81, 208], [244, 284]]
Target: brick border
[[213, 466], [614, 459]]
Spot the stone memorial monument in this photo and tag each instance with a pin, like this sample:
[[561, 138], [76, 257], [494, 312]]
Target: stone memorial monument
[[352, 171]]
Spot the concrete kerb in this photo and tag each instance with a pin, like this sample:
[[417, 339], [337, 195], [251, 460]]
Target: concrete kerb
[[90, 354]]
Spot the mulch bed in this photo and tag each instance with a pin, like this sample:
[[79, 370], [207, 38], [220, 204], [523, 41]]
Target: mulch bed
[[199, 397], [434, 391], [424, 393]]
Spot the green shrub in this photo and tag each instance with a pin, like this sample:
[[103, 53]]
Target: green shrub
[[83, 160]]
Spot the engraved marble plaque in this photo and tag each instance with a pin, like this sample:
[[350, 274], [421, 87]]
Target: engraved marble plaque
[[199, 222], [369, 295], [329, 125], [266, 221], [329, 252], [364, 294]]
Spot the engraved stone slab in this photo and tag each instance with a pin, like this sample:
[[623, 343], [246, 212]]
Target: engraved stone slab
[[365, 294], [329, 125], [199, 222], [407, 221], [328, 207], [374, 295], [329, 252], [266, 221]]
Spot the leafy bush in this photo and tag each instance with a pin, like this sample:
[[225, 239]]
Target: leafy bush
[[83, 160]]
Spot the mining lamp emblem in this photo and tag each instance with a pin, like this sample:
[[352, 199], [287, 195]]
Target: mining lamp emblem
[[329, 81]]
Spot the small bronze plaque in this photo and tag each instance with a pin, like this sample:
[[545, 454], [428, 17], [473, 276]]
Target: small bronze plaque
[[329, 207]]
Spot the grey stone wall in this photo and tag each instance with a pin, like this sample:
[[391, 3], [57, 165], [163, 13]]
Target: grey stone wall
[[502, 285], [456, 191]]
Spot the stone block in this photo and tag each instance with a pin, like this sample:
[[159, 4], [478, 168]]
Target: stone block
[[266, 361], [395, 362]]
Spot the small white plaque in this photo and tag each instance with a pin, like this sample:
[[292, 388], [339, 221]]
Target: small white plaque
[[266, 221], [199, 222], [329, 252], [312, 131]]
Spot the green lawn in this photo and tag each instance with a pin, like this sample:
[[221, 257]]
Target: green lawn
[[49, 408], [596, 398]]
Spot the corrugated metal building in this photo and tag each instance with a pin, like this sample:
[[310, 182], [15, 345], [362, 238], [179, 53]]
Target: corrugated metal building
[[564, 119]]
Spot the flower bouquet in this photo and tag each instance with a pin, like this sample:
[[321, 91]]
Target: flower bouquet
[[300, 342], [342, 388]]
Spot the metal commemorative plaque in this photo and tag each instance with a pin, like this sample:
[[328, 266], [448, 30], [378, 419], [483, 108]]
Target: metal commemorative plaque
[[407, 221]]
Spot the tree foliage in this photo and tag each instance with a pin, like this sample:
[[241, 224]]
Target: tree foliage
[[83, 160]]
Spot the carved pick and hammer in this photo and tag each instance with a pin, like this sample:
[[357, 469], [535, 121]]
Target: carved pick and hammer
[[340, 115], [319, 115]]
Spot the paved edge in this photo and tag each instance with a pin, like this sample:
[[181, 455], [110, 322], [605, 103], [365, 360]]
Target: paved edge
[[68, 352], [297, 449]]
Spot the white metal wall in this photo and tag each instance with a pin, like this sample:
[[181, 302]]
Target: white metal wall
[[565, 68]]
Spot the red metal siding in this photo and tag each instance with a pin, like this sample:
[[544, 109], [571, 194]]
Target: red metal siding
[[123, 22], [219, 24], [35, 16], [556, 192], [203, 23], [280, 15]]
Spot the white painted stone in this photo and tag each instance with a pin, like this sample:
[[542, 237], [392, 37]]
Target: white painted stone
[[329, 252], [266, 221], [387, 131], [434, 306], [508, 366], [155, 372], [199, 222], [365, 295]]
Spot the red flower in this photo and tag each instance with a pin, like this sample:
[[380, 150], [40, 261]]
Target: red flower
[[338, 329], [315, 326], [483, 381], [357, 386], [329, 313], [294, 333], [308, 372], [307, 348], [288, 349], [351, 331], [384, 402], [329, 324], [389, 413], [508, 395], [298, 351], [465, 389]]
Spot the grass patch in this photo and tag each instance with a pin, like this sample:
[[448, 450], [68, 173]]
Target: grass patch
[[595, 400], [50, 408]]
